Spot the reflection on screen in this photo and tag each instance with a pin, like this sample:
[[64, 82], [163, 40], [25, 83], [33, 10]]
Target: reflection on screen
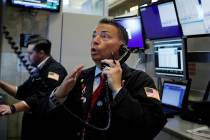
[[160, 21], [40, 4], [194, 16], [134, 29], [173, 94], [169, 58]]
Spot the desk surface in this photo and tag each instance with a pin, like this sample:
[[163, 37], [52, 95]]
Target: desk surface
[[178, 126]]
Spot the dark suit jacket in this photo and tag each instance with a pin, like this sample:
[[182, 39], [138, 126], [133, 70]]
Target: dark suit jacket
[[34, 90], [134, 115]]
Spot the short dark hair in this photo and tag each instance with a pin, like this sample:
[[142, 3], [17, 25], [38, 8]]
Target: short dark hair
[[40, 44], [123, 34]]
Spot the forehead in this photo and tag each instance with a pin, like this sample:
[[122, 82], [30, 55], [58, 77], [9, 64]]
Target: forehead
[[107, 27]]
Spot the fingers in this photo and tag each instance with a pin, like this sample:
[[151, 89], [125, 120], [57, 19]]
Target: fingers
[[111, 63], [4, 109], [76, 72], [4, 112]]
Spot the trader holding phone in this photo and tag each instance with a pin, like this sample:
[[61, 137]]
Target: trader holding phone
[[109, 103]]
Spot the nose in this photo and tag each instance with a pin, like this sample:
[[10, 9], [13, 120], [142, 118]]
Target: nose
[[97, 38]]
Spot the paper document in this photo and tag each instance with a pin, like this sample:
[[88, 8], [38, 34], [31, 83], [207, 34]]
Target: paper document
[[201, 131]]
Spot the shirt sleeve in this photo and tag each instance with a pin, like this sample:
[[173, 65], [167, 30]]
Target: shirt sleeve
[[22, 90]]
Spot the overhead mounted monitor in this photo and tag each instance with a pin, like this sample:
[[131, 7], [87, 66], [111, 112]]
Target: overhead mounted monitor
[[51, 5], [160, 21], [134, 29], [170, 58], [194, 16]]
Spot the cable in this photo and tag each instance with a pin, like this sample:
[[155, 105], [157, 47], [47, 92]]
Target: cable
[[18, 52], [91, 125]]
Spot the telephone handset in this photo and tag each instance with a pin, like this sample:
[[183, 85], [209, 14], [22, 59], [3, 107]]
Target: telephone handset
[[124, 54]]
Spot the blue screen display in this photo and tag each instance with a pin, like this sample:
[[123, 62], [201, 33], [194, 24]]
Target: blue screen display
[[160, 21], [173, 94], [134, 29], [52, 5]]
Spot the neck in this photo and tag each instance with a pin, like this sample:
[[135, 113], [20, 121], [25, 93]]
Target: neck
[[44, 57]]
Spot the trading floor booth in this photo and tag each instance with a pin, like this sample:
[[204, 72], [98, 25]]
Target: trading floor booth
[[181, 53]]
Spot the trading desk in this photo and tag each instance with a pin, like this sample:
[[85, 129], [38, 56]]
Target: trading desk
[[175, 129]]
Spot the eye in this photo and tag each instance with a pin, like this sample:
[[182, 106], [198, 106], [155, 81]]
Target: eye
[[105, 35]]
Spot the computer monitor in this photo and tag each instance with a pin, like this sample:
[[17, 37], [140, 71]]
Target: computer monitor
[[170, 58], [134, 29], [50, 5], [24, 38], [160, 21], [174, 93], [194, 16]]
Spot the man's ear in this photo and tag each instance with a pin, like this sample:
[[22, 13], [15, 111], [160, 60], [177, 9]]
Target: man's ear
[[42, 52]]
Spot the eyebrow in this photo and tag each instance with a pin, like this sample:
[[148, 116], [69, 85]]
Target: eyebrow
[[102, 31]]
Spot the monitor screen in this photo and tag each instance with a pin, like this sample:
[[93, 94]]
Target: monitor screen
[[24, 38], [194, 16], [160, 21], [173, 94], [170, 58], [134, 29], [52, 5]]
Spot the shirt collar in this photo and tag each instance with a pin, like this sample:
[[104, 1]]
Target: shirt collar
[[97, 71], [43, 62]]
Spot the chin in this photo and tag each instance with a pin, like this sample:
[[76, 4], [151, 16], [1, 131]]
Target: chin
[[96, 60]]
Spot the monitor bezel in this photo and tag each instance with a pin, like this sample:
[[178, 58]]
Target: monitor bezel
[[185, 62], [135, 49], [10, 3], [155, 4]]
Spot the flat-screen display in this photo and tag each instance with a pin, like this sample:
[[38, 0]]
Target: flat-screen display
[[51, 5], [134, 28], [173, 94], [194, 16], [170, 58], [24, 38], [160, 21]]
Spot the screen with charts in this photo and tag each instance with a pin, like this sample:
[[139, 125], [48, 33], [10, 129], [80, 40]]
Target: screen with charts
[[160, 21], [134, 29], [194, 16], [170, 58], [173, 94], [52, 5]]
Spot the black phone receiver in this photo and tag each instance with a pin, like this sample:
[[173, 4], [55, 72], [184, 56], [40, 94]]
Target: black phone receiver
[[124, 54]]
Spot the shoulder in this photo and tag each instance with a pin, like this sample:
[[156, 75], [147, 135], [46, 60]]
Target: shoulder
[[55, 66], [137, 77], [131, 72]]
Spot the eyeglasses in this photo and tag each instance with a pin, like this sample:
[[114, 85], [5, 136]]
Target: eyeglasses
[[103, 35]]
